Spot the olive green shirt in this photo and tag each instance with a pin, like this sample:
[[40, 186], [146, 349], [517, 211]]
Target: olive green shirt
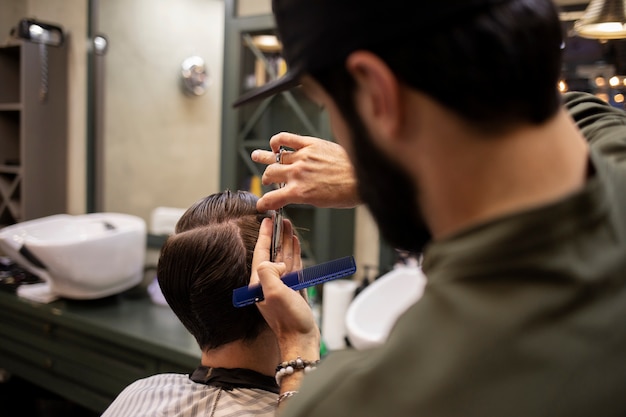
[[522, 316]]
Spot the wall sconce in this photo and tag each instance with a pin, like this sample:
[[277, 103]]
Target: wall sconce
[[38, 32], [194, 76], [45, 34], [603, 19], [100, 44]]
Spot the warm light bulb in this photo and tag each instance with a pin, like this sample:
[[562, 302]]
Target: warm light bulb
[[618, 98], [604, 30], [614, 81], [610, 27], [35, 31], [267, 43], [562, 86], [600, 81], [603, 97]]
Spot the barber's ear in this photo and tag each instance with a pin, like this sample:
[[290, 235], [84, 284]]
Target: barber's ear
[[378, 97]]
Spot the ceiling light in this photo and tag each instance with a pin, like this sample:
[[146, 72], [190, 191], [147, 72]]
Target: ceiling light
[[267, 43], [603, 19]]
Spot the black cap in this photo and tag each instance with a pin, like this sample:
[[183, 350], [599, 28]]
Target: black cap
[[317, 34]]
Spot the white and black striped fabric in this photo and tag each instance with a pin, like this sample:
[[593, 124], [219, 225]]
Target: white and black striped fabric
[[175, 395]]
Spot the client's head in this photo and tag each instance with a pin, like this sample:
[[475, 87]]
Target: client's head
[[208, 256]]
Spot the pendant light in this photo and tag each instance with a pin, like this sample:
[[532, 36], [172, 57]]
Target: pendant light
[[603, 19]]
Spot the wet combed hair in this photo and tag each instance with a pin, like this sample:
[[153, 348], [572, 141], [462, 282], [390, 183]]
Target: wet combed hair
[[208, 256], [496, 68]]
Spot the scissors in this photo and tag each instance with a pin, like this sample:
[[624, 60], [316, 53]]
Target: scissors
[[277, 231]]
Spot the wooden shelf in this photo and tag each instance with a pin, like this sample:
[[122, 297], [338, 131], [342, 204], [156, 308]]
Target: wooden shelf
[[89, 351], [10, 169], [32, 133], [10, 106]]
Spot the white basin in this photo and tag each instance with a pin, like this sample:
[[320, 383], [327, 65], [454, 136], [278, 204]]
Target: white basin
[[82, 257], [373, 312]]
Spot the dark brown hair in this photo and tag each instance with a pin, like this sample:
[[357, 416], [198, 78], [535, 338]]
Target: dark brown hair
[[208, 256], [497, 67]]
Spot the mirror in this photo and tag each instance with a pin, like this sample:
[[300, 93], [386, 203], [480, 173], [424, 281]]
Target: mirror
[[155, 145]]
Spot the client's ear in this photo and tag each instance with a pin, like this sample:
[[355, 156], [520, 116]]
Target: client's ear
[[378, 95]]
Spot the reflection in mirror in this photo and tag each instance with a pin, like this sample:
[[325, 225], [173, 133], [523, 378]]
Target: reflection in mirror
[[253, 7], [159, 148]]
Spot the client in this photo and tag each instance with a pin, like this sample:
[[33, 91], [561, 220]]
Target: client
[[208, 256]]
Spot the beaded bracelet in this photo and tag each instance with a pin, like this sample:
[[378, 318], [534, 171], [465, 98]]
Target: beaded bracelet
[[284, 396], [298, 364]]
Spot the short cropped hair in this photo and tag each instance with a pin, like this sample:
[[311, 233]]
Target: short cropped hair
[[208, 256]]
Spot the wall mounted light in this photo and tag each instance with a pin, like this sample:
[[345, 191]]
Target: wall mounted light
[[38, 32], [603, 19], [194, 76], [100, 44], [44, 34]]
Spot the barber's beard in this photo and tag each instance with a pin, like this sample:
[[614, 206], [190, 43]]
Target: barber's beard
[[388, 192]]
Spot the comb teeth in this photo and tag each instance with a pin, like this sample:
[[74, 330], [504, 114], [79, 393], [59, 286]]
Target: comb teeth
[[326, 271], [298, 280]]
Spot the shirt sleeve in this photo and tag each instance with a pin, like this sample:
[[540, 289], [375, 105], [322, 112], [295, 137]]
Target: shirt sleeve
[[603, 126]]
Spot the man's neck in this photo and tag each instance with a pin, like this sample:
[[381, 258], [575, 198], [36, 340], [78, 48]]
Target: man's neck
[[478, 179], [261, 355]]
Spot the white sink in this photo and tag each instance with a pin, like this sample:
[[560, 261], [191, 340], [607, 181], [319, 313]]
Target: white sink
[[373, 312], [82, 257]]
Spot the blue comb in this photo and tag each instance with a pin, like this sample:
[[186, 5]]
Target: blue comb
[[297, 280]]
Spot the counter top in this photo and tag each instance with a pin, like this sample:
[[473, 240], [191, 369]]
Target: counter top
[[131, 320], [89, 350]]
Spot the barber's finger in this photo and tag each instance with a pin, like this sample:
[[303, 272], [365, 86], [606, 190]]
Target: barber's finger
[[297, 262], [262, 248], [275, 199], [268, 274], [267, 157], [290, 140], [275, 174], [287, 252], [297, 254], [263, 157]]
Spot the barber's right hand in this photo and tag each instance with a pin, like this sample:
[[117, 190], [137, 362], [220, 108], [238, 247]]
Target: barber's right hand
[[286, 312], [317, 172]]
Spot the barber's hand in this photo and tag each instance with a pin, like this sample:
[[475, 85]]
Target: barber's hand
[[318, 172], [286, 312], [290, 252]]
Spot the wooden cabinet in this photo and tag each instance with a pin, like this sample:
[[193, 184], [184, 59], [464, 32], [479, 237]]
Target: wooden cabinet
[[33, 131], [248, 62], [88, 351]]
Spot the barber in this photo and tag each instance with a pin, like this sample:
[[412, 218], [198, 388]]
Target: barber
[[519, 218]]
